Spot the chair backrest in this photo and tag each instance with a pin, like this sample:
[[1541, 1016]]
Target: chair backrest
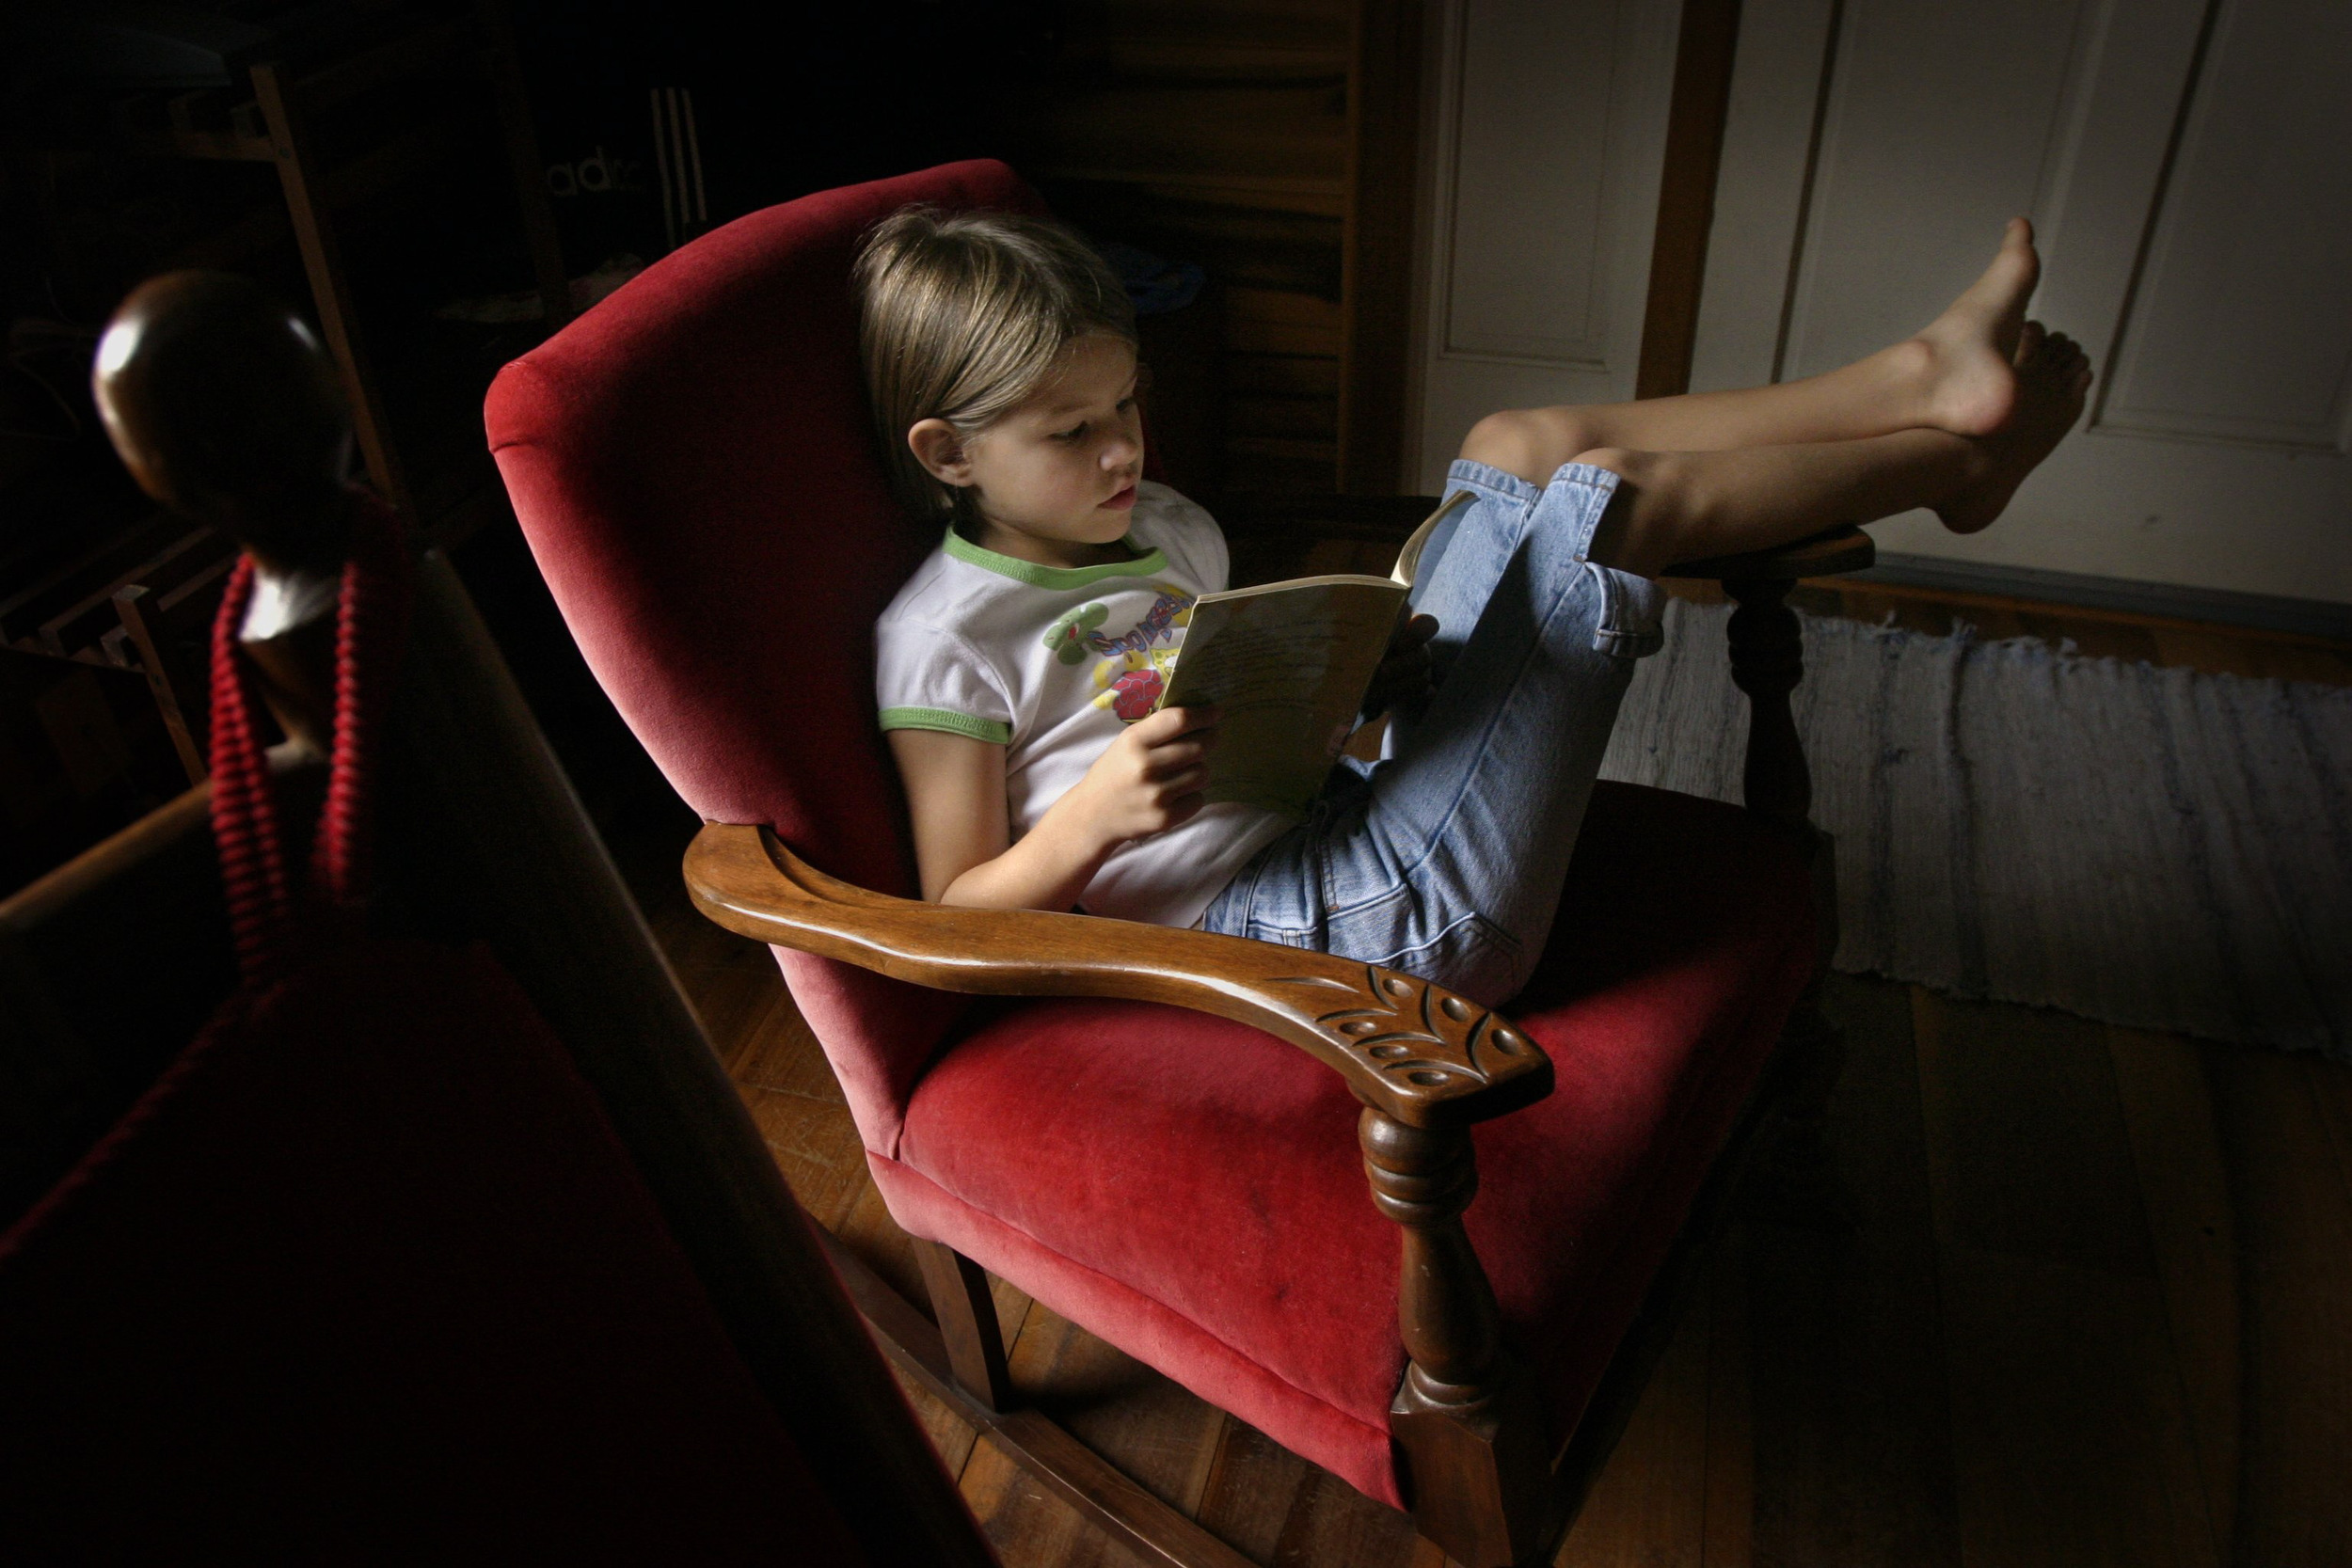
[[695, 470]]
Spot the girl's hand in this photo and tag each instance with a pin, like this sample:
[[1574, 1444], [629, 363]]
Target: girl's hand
[[1147, 781], [1403, 679]]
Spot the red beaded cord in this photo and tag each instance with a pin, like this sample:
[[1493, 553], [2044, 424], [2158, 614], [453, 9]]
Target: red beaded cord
[[371, 608]]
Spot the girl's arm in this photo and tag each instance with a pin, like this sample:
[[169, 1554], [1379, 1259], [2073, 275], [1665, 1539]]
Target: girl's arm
[[1147, 781]]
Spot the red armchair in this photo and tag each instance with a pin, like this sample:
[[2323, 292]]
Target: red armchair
[[1177, 1161]]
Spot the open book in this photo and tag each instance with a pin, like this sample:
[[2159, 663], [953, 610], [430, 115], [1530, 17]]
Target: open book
[[1288, 663]]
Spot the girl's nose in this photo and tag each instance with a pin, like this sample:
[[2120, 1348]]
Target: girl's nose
[[1119, 450]]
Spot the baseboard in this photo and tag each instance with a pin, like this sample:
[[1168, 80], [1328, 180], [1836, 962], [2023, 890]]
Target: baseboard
[[2167, 601]]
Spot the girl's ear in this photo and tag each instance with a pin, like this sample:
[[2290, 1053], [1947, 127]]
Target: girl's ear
[[940, 450]]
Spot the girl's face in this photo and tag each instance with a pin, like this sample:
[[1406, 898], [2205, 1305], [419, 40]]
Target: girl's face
[[1054, 479]]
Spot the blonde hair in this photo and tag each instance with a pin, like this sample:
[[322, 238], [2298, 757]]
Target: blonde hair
[[963, 316]]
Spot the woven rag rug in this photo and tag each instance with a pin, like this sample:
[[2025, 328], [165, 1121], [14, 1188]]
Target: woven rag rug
[[2153, 848]]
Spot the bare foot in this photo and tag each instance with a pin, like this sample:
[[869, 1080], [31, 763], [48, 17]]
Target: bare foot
[[2053, 377], [1966, 384]]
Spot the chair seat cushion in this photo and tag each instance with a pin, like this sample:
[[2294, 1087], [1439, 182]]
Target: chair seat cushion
[[1190, 1188]]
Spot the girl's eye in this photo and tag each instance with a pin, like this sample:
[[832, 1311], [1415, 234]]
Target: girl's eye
[[1074, 434]]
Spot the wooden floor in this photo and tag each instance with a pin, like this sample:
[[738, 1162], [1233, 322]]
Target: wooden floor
[[2078, 1296]]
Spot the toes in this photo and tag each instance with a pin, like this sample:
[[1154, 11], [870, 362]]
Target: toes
[[2051, 353]]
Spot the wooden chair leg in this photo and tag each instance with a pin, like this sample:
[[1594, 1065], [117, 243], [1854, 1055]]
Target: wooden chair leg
[[1766, 663], [1477, 1461], [967, 1322]]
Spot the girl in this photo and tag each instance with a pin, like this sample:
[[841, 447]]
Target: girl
[[1017, 668]]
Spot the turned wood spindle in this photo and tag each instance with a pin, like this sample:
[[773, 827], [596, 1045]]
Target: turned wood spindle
[[1767, 662], [1423, 1179], [1465, 1414]]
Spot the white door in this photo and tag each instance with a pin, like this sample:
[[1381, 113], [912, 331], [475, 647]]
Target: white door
[[1544, 132], [2188, 162]]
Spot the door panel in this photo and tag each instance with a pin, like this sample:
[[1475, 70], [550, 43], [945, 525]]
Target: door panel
[[2241, 326], [2189, 166], [1549, 123]]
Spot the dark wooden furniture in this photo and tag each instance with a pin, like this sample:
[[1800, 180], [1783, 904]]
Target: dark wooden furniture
[[1273, 145], [360, 110], [82, 753], [108, 964]]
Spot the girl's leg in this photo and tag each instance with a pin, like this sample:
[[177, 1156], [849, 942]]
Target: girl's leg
[[1689, 505], [1447, 860], [1954, 375]]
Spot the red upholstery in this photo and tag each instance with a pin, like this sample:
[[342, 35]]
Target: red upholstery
[[368, 1276], [693, 465], [1192, 1192], [1192, 1189]]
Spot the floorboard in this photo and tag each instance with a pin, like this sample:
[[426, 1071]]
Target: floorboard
[[947, 1430], [2070, 1435], [1330, 1522], [1847, 1383], [2293, 1223], [1731, 1454], [1160, 1435], [1649, 1508], [1252, 1484], [1027, 1525]]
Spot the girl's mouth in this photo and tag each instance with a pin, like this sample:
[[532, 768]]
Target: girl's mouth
[[1122, 500]]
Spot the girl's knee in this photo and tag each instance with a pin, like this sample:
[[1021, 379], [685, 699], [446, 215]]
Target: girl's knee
[[1529, 442], [1631, 468], [1643, 530]]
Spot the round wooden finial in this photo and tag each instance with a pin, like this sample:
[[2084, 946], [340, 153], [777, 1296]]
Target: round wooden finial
[[225, 408]]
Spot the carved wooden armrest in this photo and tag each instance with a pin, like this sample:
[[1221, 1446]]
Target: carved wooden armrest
[[1425, 1063], [1412, 1051]]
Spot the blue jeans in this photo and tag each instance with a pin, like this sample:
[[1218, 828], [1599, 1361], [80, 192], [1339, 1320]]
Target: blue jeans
[[1445, 859]]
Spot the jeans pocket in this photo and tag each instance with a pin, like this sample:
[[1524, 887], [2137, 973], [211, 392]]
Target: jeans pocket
[[1633, 613], [1473, 956]]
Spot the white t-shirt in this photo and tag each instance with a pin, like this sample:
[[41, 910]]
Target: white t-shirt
[[1052, 663]]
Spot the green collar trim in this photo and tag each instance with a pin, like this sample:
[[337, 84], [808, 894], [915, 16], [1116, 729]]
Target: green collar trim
[[1057, 578]]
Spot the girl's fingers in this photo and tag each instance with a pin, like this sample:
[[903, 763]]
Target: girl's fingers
[[1412, 637], [1174, 722], [1177, 754]]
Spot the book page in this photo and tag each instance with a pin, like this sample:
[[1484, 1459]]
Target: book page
[[1409, 558], [1289, 666]]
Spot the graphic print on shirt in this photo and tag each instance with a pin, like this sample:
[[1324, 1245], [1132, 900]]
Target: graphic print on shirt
[[1135, 664]]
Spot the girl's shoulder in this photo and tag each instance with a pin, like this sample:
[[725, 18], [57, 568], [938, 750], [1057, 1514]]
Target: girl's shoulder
[[1166, 508], [1181, 526], [926, 590]]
